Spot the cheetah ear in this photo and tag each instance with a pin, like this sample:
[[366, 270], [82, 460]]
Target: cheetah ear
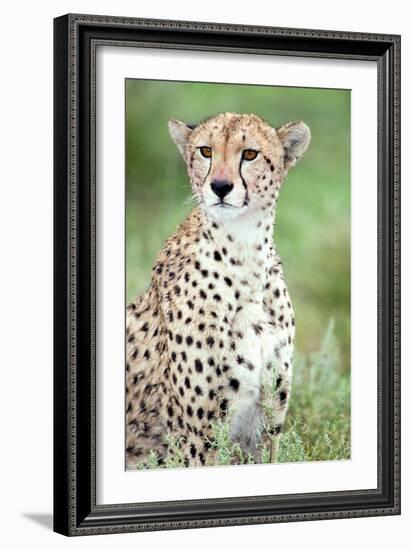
[[180, 133], [295, 137]]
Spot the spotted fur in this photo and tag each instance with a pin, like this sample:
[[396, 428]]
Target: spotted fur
[[212, 336]]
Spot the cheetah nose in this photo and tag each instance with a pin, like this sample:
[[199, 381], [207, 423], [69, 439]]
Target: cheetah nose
[[221, 188]]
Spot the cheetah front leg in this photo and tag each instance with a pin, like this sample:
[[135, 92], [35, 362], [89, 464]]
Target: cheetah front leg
[[246, 420], [246, 424]]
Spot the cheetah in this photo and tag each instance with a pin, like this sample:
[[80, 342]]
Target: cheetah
[[211, 338]]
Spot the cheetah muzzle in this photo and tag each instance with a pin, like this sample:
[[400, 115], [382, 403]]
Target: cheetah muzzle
[[211, 339]]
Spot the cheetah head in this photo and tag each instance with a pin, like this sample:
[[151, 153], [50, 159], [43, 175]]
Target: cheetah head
[[236, 163]]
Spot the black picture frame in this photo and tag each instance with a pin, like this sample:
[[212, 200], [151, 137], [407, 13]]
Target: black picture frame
[[76, 38]]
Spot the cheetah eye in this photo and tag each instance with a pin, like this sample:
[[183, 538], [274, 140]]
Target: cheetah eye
[[249, 154], [206, 152]]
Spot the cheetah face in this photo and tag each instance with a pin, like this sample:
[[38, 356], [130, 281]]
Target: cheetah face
[[237, 163]]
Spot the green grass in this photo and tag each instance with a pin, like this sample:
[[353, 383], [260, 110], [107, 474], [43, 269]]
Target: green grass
[[318, 421], [312, 231]]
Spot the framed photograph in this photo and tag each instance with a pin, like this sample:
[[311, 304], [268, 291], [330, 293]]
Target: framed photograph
[[227, 277]]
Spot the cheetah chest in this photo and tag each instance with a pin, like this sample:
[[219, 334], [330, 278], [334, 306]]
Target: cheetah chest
[[232, 290]]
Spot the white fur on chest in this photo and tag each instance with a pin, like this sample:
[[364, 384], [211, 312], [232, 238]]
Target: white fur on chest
[[246, 249]]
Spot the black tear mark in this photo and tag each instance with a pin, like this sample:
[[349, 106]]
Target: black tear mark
[[246, 198]]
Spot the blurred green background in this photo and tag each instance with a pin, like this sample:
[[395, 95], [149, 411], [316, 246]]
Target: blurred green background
[[313, 215]]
